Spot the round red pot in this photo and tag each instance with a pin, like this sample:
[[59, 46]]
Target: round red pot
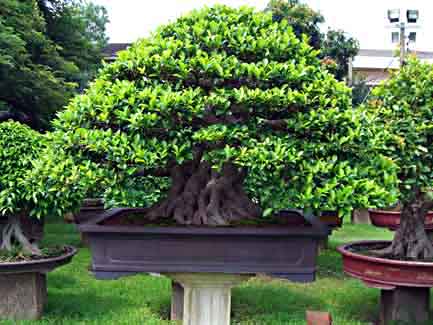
[[391, 219], [384, 273]]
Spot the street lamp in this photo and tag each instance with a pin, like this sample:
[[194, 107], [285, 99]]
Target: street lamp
[[412, 16]]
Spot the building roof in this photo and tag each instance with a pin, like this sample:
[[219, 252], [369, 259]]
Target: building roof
[[110, 51], [390, 53], [384, 59]]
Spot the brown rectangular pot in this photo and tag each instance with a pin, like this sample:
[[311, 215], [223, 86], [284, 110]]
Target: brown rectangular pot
[[122, 250]]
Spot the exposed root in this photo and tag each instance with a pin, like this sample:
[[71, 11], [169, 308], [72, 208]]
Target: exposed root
[[202, 196], [13, 233]]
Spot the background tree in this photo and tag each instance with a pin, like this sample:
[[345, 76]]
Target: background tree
[[32, 72], [404, 109], [305, 21], [79, 29], [226, 115], [43, 54]]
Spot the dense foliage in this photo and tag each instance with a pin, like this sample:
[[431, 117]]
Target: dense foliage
[[43, 57], [32, 72], [333, 45], [404, 108], [20, 146], [78, 28], [224, 88]]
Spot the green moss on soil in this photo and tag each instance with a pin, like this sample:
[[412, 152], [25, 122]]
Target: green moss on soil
[[17, 255]]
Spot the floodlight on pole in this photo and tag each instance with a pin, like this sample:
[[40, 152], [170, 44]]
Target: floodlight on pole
[[412, 16], [394, 15]]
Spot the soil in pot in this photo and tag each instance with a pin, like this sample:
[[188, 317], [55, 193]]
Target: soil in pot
[[376, 250], [139, 219]]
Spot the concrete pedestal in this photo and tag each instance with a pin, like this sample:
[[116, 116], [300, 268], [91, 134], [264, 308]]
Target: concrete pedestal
[[176, 312], [206, 296], [23, 296], [322, 245], [405, 304], [361, 216]]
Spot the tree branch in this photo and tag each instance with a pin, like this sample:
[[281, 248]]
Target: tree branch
[[277, 125]]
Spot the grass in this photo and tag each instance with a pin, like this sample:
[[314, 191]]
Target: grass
[[75, 297]]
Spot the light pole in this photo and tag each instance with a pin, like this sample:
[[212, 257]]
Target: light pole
[[394, 18], [402, 43]]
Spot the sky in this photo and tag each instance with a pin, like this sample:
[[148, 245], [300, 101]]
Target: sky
[[363, 19]]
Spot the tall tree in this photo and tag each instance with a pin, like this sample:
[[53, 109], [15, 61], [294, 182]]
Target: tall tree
[[47, 48], [334, 44], [33, 74], [78, 28]]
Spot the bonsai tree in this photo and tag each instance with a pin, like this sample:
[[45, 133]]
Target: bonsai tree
[[19, 147], [404, 108], [224, 115]]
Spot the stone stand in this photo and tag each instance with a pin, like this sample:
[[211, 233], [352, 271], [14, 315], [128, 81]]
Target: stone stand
[[405, 304], [361, 216], [23, 296], [207, 296], [322, 245], [176, 312]]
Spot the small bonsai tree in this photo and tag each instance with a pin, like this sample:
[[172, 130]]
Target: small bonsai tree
[[20, 146], [404, 108], [224, 115]]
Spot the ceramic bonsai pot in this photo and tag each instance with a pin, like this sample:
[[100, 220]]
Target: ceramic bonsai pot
[[119, 250], [23, 286], [391, 219], [405, 285], [89, 208]]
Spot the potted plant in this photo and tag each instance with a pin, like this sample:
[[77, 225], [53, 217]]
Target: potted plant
[[403, 268], [227, 118], [23, 264], [391, 218]]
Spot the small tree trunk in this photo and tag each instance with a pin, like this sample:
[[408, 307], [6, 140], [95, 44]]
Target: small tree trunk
[[13, 234], [411, 240]]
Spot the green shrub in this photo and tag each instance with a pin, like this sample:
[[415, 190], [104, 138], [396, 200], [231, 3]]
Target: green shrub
[[20, 147]]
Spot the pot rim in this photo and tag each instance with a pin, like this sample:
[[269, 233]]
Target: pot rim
[[343, 250], [391, 212], [93, 226]]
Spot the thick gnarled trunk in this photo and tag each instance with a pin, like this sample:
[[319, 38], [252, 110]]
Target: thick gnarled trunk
[[411, 240], [200, 195], [13, 234]]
